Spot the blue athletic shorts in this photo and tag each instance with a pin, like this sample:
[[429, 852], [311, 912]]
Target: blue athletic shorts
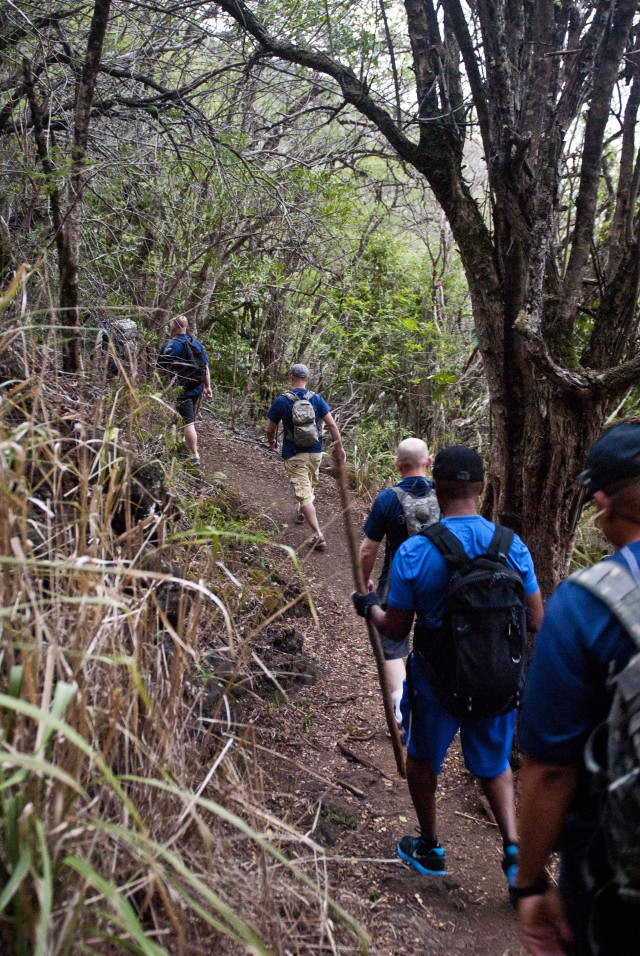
[[430, 729], [393, 650]]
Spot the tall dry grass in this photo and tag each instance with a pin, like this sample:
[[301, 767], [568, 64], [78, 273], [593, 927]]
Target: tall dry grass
[[127, 822]]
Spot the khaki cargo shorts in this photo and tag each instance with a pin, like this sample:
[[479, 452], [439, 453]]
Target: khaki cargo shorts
[[303, 470]]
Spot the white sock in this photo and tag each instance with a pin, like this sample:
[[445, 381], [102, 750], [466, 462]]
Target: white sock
[[396, 697]]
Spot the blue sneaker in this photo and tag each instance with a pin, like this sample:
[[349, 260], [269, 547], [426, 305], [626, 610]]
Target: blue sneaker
[[426, 861], [510, 863]]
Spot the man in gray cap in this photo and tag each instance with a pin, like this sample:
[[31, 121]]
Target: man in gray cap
[[301, 411], [591, 632]]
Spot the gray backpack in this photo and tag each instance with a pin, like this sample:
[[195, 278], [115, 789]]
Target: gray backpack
[[122, 334], [305, 430], [418, 511], [612, 753]]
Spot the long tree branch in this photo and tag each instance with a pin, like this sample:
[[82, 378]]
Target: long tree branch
[[582, 383], [353, 90], [478, 91], [599, 110]]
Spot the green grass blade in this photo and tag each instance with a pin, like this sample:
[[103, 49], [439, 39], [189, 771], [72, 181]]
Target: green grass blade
[[45, 893], [38, 766], [20, 871], [236, 928], [124, 913]]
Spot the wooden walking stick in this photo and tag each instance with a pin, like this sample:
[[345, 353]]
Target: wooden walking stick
[[374, 637]]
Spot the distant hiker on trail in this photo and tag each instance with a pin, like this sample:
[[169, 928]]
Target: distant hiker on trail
[[468, 584], [301, 412], [186, 361], [398, 513], [117, 339], [581, 769]]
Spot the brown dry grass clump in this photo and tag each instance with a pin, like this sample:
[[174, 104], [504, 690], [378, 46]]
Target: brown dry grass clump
[[132, 808]]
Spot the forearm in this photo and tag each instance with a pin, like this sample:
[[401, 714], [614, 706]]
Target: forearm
[[546, 793], [272, 430], [368, 554], [393, 623], [334, 431]]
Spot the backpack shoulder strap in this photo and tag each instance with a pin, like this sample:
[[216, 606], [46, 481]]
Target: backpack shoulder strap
[[401, 494], [291, 396], [446, 542], [500, 544], [615, 586]]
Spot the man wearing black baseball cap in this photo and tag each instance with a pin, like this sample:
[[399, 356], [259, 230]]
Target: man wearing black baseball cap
[[583, 643], [420, 578]]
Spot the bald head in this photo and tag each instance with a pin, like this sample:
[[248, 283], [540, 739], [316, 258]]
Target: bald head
[[412, 457], [179, 325]]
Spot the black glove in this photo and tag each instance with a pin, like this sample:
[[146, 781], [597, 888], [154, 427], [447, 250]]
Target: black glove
[[364, 602]]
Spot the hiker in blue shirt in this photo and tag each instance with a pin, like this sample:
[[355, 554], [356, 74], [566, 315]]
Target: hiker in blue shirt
[[580, 647], [419, 581], [302, 459], [387, 520], [175, 359]]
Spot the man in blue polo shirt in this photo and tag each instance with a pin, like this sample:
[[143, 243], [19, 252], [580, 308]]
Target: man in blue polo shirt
[[388, 520], [302, 463], [419, 579], [172, 353], [580, 647]]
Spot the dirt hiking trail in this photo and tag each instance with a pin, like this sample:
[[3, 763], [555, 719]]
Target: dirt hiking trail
[[338, 780]]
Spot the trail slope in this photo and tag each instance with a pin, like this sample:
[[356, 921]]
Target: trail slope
[[337, 778]]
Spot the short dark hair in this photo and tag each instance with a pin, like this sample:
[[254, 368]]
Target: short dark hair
[[454, 490]]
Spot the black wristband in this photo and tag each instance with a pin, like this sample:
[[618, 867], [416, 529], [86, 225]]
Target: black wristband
[[539, 888]]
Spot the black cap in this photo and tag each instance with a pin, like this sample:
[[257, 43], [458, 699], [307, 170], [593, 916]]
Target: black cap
[[458, 463], [615, 456]]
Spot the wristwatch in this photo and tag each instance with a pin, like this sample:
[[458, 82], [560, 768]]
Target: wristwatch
[[539, 888]]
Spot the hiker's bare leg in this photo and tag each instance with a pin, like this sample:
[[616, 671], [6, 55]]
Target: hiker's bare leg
[[395, 673], [191, 438], [422, 787], [309, 512], [499, 793]]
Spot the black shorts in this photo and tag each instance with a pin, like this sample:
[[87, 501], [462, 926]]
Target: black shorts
[[187, 408]]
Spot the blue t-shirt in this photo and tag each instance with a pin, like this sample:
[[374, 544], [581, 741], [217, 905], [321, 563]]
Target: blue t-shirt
[[419, 574], [579, 645], [387, 518], [174, 347], [280, 411]]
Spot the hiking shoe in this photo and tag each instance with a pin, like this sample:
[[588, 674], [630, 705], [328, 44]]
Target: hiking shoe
[[510, 863], [318, 543], [427, 861], [299, 518], [195, 460]]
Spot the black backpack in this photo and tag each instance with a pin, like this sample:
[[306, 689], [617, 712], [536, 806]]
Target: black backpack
[[188, 368], [612, 753], [476, 659]]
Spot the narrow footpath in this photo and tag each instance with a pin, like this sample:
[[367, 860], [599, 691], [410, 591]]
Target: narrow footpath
[[334, 730]]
